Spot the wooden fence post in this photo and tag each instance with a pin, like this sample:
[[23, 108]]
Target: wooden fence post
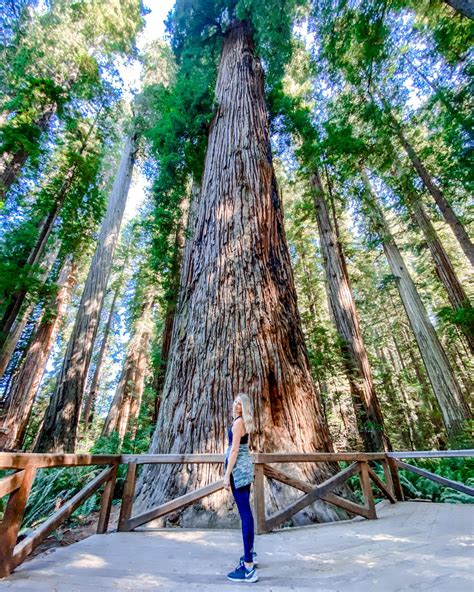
[[367, 489], [259, 499], [127, 497], [388, 476], [106, 503], [12, 519], [397, 487]]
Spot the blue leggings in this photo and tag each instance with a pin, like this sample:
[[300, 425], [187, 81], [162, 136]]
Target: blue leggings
[[242, 499]]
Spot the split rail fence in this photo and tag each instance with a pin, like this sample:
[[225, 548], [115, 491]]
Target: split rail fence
[[18, 484]]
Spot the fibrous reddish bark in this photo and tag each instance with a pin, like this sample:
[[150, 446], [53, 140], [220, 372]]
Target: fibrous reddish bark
[[14, 418], [341, 300], [237, 327], [58, 433]]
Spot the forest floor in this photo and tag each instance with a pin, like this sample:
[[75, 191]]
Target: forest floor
[[413, 546]]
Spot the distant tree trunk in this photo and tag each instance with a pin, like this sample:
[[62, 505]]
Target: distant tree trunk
[[445, 386], [366, 404], [444, 268], [463, 7], [19, 325], [92, 394], [237, 328], [172, 298], [12, 163], [14, 418], [62, 416], [399, 417], [444, 206], [126, 403]]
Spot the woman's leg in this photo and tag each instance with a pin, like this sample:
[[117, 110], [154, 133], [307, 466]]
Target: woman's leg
[[242, 499]]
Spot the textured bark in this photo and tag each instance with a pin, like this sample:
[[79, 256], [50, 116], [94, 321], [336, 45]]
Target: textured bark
[[160, 373], [444, 268], [62, 416], [450, 398], [12, 163], [463, 7], [237, 327], [444, 206], [359, 374], [15, 416], [126, 403]]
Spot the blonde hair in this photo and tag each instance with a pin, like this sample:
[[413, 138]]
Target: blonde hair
[[247, 412]]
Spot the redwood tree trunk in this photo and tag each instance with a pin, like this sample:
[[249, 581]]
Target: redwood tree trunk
[[366, 404], [59, 429], [448, 393], [444, 268], [91, 395], [14, 419], [237, 327], [16, 330], [445, 207], [126, 403]]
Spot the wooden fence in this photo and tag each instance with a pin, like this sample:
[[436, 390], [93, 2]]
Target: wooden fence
[[17, 486]]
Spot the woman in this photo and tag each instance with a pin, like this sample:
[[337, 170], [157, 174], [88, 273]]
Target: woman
[[238, 477]]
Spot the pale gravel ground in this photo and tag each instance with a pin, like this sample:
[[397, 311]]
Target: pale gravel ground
[[413, 546]]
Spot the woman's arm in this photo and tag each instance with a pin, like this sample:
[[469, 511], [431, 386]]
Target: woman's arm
[[237, 432]]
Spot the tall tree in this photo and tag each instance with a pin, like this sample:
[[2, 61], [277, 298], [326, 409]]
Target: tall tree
[[59, 430], [126, 403], [366, 403], [237, 327], [14, 417], [453, 405]]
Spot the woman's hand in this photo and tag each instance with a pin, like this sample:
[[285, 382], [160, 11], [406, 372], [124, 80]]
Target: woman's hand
[[227, 481]]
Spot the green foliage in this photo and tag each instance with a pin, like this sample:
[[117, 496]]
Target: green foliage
[[58, 57], [455, 469]]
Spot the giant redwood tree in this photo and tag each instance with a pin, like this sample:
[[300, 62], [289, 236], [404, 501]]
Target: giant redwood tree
[[237, 327]]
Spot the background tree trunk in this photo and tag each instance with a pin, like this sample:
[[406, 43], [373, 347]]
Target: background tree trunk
[[59, 429], [444, 206], [237, 327], [453, 406], [20, 323], [366, 404], [91, 395], [126, 403], [444, 268], [14, 419]]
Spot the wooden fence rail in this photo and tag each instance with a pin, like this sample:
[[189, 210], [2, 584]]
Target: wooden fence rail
[[18, 486]]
